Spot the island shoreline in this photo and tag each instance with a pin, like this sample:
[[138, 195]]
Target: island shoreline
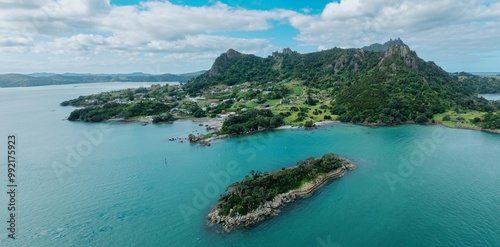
[[270, 208]]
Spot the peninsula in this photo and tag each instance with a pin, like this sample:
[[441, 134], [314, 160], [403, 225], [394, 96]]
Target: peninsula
[[260, 195], [376, 85]]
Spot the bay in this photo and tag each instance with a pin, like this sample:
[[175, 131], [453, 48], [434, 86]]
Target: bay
[[128, 185], [490, 96]]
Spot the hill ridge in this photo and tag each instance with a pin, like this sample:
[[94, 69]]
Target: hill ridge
[[390, 85]]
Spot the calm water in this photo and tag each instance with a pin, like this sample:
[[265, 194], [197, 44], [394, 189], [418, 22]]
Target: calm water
[[490, 96], [130, 186]]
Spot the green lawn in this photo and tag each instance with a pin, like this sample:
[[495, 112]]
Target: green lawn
[[464, 119], [272, 102], [251, 104], [295, 87], [291, 120]]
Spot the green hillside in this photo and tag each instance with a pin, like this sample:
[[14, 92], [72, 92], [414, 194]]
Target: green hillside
[[382, 84]]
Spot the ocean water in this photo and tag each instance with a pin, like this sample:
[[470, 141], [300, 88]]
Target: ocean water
[[82, 184], [485, 73], [490, 96]]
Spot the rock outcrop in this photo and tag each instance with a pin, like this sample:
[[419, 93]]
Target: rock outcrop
[[403, 52], [223, 61], [198, 139]]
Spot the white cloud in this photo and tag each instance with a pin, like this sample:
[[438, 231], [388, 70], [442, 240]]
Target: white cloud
[[344, 10], [150, 22], [87, 28], [192, 44], [354, 23]]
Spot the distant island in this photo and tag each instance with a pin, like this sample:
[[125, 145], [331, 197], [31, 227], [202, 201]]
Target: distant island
[[381, 84], [43, 79], [260, 195]]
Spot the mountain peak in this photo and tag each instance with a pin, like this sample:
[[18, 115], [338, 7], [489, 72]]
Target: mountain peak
[[224, 61], [403, 52], [383, 48], [232, 54], [394, 42]]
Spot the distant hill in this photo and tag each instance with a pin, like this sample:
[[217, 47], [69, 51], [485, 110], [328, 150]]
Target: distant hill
[[386, 83], [479, 84], [41, 79]]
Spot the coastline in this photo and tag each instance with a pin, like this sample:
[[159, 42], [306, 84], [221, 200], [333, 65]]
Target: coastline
[[218, 123], [374, 125], [206, 142], [271, 207]]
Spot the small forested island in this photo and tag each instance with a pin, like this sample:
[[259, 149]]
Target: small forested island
[[259, 195], [381, 84]]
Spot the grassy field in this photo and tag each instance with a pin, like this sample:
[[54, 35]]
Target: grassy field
[[291, 120], [463, 119], [295, 87]]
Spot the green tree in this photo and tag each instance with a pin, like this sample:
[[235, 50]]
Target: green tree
[[422, 118]]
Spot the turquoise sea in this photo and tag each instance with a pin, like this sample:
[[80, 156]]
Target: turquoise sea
[[83, 184], [490, 96]]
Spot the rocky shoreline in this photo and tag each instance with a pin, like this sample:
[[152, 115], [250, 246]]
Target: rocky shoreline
[[272, 207]]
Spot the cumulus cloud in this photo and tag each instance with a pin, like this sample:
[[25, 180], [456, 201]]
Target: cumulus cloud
[[149, 26], [95, 44], [354, 23], [164, 20]]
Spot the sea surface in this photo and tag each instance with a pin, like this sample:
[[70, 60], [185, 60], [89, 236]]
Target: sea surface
[[82, 184], [485, 73], [490, 96]]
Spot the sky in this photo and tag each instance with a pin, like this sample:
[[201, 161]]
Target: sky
[[179, 36]]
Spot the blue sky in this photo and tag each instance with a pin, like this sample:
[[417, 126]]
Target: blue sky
[[315, 6], [121, 36]]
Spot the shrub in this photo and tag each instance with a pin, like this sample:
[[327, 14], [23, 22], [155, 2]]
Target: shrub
[[422, 118], [163, 118]]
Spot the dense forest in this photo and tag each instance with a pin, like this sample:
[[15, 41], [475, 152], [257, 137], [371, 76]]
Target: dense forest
[[257, 188], [479, 84], [404, 88], [491, 121], [252, 120]]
